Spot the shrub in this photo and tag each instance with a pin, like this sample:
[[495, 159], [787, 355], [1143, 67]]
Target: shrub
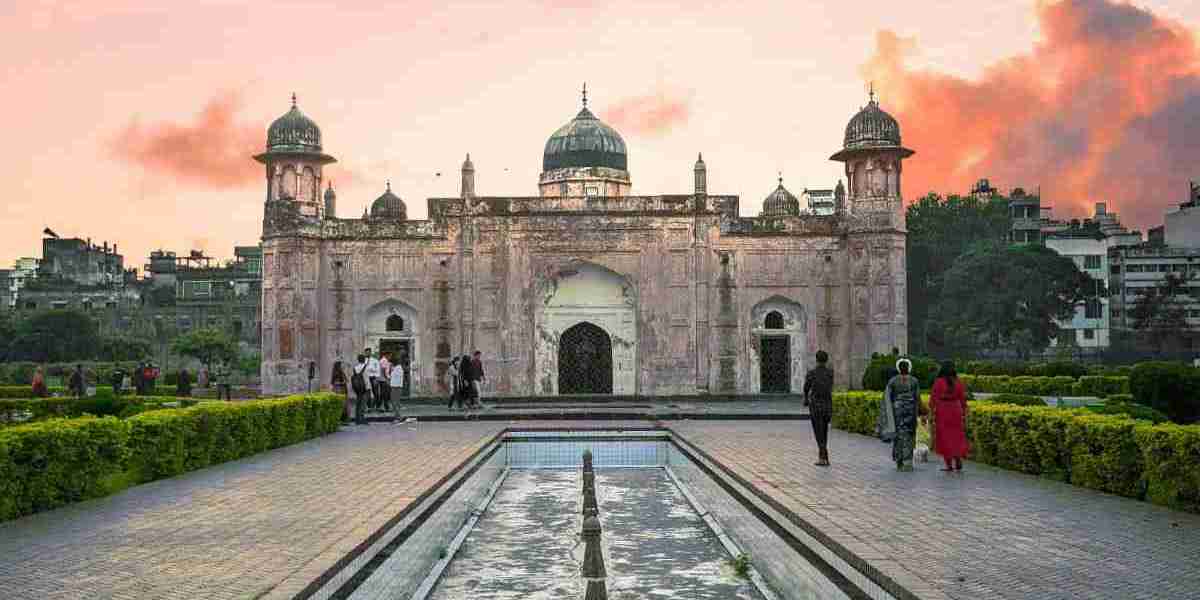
[[1104, 454], [857, 412], [1170, 455], [1100, 386], [38, 409], [1057, 368], [1022, 384], [923, 368], [1172, 388], [1018, 399], [169, 442], [1130, 409], [52, 463]]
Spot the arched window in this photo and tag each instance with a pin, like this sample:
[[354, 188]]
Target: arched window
[[395, 323], [774, 320]]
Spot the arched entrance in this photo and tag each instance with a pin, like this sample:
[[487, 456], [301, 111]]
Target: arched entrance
[[775, 356], [585, 361]]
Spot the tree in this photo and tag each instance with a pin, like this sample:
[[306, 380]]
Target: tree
[[1160, 312], [59, 335], [1008, 297], [124, 348], [939, 231], [208, 345]]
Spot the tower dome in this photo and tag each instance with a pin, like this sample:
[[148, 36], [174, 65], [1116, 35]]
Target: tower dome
[[871, 128], [585, 141], [780, 203], [294, 132], [389, 206]]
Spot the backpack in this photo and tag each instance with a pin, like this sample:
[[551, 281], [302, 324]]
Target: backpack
[[358, 383]]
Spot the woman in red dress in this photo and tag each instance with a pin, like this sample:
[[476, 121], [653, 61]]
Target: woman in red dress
[[948, 403]]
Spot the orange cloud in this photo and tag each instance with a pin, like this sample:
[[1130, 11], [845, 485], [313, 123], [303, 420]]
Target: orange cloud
[[651, 115], [213, 151], [1105, 107]]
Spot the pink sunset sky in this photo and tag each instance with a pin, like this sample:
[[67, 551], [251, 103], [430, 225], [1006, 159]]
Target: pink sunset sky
[[134, 122]]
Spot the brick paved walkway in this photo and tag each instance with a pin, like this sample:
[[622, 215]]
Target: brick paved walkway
[[985, 533], [238, 530], [234, 530]]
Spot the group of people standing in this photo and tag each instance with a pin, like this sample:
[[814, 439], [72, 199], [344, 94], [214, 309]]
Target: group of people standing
[[376, 382], [464, 378], [900, 409]]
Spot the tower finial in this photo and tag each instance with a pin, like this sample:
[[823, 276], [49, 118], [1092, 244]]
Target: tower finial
[[389, 185], [585, 94], [781, 178], [872, 92], [293, 99]]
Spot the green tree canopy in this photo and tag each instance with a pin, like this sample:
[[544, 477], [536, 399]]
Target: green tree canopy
[[60, 335], [209, 345], [1008, 297], [1160, 312], [124, 348], [939, 231]]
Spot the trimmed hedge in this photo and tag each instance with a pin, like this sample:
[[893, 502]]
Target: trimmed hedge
[[1017, 400], [1110, 453], [30, 410], [925, 369], [47, 464], [1123, 404], [1171, 454], [1173, 388], [1089, 385]]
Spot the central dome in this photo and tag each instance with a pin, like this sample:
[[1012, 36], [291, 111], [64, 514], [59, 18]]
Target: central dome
[[389, 206], [585, 142], [780, 203]]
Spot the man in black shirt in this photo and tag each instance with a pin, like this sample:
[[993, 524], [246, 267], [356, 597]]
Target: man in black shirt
[[818, 389]]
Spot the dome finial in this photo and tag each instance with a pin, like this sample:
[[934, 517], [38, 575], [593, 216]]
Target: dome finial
[[585, 94], [389, 185], [293, 99], [872, 101], [781, 178]]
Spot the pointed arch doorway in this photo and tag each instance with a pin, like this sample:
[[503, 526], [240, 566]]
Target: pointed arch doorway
[[585, 361]]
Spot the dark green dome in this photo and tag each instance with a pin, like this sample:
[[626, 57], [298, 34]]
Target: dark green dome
[[294, 132], [585, 142], [872, 128], [389, 206], [780, 203]]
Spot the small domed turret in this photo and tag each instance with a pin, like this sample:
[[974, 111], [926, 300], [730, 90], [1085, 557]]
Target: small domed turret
[[294, 132], [780, 203]]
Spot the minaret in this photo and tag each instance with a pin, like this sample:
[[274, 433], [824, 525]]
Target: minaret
[[701, 176], [293, 160], [330, 202], [468, 178], [873, 153]]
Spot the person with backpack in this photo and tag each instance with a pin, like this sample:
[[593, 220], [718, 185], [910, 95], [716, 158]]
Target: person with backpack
[[117, 381], [818, 393], [902, 405], [76, 384], [362, 391]]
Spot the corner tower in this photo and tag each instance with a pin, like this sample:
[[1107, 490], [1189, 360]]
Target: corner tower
[[294, 161], [875, 266], [585, 157]]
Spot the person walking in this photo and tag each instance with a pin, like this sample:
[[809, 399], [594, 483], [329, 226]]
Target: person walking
[[138, 374], [452, 385], [39, 384], [221, 380], [888, 373], [76, 384], [478, 377], [902, 407], [396, 383], [183, 384], [117, 380], [202, 377], [385, 376], [948, 408], [818, 391], [372, 374], [360, 383], [466, 381], [337, 383]]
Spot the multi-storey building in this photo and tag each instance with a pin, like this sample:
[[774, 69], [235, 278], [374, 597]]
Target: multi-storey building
[[1088, 243]]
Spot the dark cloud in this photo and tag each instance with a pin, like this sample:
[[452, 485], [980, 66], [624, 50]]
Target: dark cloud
[[1104, 107]]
